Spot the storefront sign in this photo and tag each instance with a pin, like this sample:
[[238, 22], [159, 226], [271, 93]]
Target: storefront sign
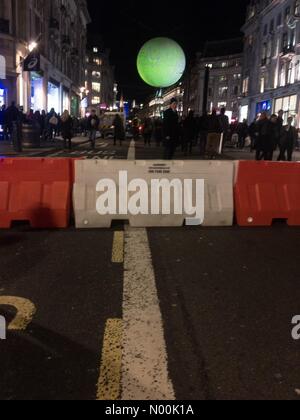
[[32, 62]]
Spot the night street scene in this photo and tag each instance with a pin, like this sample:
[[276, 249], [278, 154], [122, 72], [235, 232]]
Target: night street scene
[[149, 203]]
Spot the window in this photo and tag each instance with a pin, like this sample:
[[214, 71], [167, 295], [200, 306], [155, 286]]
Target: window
[[272, 26], [96, 100], [262, 84], [279, 20], [224, 64], [96, 87], [236, 90], [246, 86], [95, 50], [223, 92], [223, 79], [265, 30], [288, 104], [297, 8], [237, 76]]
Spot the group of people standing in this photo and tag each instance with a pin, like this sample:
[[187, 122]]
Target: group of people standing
[[47, 126], [269, 134], [187, 132]]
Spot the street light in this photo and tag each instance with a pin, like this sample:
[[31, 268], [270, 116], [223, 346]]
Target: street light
[[32, 46]]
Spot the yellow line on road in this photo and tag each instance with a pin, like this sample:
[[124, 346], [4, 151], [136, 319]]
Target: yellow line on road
[[109, 384], [25, 312], [118, 248]]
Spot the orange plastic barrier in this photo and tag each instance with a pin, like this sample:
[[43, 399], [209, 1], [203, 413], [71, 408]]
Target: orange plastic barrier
[[267, 191], [36, 190]]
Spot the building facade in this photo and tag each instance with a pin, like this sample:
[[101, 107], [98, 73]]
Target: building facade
[[101, 88], [271, 73], [55, 32], [162, 99], [224, 59]]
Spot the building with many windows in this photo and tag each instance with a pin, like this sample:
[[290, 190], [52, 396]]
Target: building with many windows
[[224, 59], [271, 73], [162, 99], [43, 47], [100, 85]]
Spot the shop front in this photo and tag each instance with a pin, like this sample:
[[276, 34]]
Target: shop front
[[66, 100], [75, 102], [3, 95], [289, 105], [37, 102], [54, 96], [264, 106]]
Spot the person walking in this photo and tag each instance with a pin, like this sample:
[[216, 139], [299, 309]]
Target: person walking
[[158, 131], [242, 132], [119, 131], [148, 131], [67, 129], [190, 129], [225, 126], [171, 130], [288, 141], [52, 123], [93, 124]]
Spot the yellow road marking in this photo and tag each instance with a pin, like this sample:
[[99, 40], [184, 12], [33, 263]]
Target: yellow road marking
[[25, 312], [109, 384], [118, 248]]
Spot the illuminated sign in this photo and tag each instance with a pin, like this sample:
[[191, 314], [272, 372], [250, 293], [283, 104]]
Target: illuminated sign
[[264, 106], [2, 67]]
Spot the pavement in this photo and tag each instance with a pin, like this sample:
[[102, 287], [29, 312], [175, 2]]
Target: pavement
[[177, 313]]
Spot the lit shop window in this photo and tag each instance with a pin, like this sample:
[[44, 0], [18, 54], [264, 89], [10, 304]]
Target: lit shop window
[[95, 100], [223, 92], [96, 87], [288, 104], [246, 86], [262, 84]]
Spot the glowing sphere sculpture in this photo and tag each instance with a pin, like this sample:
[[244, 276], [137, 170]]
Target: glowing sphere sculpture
[[161, 62]]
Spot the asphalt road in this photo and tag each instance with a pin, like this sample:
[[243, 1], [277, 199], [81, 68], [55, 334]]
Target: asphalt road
[[215, 305]]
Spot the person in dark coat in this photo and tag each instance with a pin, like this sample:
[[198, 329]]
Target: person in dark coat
[[158, 131], [190, 131], [93, 124], [214, 125], [203, 129], [288, 141], [67, 129], [3, 124], [242, 132], [148, 131], [253, 134], [267, 137], [225, 125], [171, 130], [119, 133]]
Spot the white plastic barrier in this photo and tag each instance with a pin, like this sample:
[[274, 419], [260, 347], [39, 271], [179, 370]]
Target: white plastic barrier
[[153, 193]]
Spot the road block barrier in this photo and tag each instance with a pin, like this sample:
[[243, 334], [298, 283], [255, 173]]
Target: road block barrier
[[140, 181], [267, 191], [36, 190]]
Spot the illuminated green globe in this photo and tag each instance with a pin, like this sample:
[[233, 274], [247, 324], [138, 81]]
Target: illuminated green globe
[[161, 62]]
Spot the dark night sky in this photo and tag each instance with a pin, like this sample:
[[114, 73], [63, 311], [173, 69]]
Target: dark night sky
[[125, 26]]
